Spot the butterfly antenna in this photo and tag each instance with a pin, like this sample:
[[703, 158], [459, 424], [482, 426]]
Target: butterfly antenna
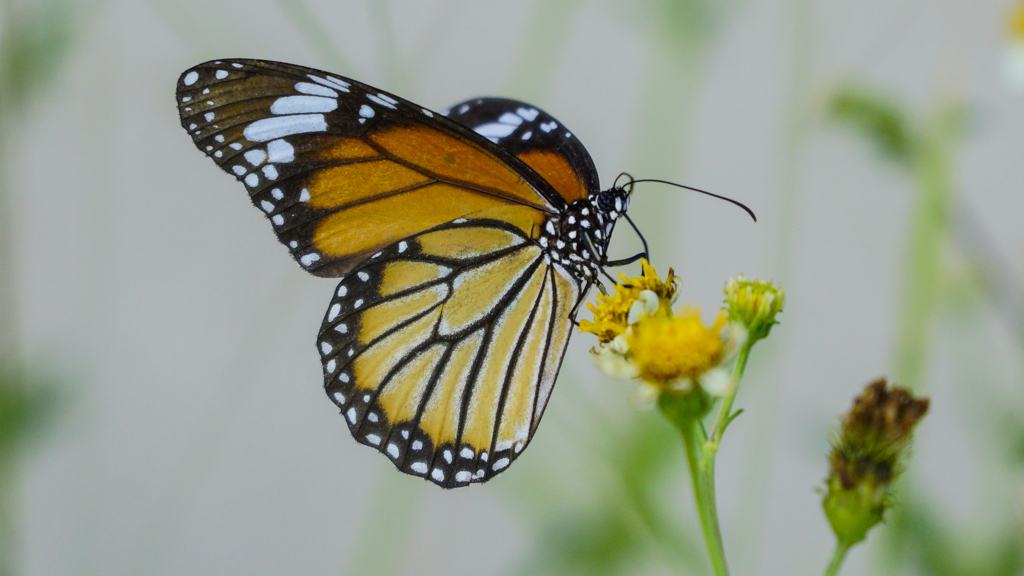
[[727, 199]]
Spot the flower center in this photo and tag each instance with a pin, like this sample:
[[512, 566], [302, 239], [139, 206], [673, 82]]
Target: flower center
[[667, 348]]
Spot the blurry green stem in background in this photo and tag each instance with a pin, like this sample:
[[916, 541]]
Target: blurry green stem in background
[[34, 39], [927, 155]]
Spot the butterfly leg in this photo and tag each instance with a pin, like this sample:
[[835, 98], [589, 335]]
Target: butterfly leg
[[625, 261], [579, 303]]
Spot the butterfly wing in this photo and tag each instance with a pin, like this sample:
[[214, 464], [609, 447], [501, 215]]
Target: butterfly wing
[[344, 170], [442, 350], [536, 138]]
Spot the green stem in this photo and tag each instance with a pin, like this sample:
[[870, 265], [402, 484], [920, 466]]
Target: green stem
[[686, 413], [702, 471], [837, 558], [725, 411]]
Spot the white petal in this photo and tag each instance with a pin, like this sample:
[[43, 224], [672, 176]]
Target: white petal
[[615, 365], [718, 382], [644, 396]]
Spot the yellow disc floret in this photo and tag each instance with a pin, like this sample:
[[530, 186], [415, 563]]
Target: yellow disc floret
[[667, 348]]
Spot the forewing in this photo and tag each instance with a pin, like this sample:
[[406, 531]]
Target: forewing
[[536, 138], [342, 169], [442, 350]]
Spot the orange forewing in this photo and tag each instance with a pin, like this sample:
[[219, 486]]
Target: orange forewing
[[554, 168]]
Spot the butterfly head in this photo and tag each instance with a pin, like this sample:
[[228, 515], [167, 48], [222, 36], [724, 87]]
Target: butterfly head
[[614, 202]]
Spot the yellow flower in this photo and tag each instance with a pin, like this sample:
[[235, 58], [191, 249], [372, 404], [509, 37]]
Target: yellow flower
[[667, 352], [667, 348], [611, 315]]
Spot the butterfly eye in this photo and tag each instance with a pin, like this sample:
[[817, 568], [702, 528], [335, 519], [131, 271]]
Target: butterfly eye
[[606, 200]]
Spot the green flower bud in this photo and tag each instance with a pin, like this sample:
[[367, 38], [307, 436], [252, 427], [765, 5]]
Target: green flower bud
[[754, 304]]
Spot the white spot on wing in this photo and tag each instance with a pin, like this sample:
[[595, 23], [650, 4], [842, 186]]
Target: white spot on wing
[[315, 90], [252, 180], [331, 82], [221, 74], [437, 474], [463, 476], [270, 171], [308, 259], [419, 467], [528, 114], [381, 101], [494, 130], [373, 439], [500, 464], [510, 118], [255, 156], [191, 78], [278, 127], [365, 111], [303, 105], [280, 151]]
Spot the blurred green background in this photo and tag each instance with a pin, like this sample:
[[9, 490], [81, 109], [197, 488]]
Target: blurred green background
[[161, 409]]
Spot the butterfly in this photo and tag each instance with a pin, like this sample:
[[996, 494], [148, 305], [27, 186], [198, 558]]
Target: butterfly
[[465, 242]]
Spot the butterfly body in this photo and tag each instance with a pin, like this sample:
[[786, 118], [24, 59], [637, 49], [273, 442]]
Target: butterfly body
[[463, 242]]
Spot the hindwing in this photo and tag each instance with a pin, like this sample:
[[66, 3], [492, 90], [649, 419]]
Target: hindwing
[[442, 350]]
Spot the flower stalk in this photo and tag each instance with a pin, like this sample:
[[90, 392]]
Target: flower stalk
[[682, 366]]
